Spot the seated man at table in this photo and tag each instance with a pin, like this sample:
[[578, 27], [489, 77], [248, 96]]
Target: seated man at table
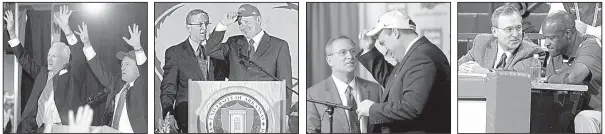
[[504, 49], [583, 55]]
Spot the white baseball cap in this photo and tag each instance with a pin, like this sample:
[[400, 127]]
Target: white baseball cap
[[393, 19]]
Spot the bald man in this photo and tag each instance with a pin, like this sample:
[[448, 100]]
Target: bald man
[[582, 54]]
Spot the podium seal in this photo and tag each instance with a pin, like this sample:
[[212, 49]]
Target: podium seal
[[236, 110]]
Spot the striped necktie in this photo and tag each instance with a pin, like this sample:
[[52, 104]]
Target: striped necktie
[[353, 121], [118, 114]]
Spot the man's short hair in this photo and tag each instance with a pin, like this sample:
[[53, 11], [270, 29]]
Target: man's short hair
[[561, 19], [62, 48], [192, 13], [503, 10], [331, 41]]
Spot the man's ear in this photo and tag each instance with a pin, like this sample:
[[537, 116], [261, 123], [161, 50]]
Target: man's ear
[[328, 60], [396, 33], [568, 33], [494, 31]]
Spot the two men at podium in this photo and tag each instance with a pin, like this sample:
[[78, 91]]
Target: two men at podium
[[253, 56]]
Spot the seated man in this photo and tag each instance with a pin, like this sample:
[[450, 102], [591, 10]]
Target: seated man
[[583, 53], [344, 85], [504, 49], [126, 93]]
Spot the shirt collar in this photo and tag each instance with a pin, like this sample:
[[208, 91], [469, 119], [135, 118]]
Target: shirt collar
[[257, 37], [412, 43], [194, 44], [341, 86], [501, 51]]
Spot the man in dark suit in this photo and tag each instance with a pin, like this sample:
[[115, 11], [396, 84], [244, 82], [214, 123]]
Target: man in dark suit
[[126, 93], [56, 85], [255, 45], [504, 49], [341, 88], [416, 97], [185, 61]]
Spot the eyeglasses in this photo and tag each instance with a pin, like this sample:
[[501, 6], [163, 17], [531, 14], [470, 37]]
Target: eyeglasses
[[509, 30], [344, 52], [205, 24]]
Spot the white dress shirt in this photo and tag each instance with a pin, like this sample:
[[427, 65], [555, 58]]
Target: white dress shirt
[[195, 45], [499, 55], [341, 86], [124, 125]]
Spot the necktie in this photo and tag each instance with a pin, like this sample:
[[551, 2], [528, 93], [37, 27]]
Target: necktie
[[118, 114], [502, 62], [202, 62], [353, 121], [251, 48], [43, 98]]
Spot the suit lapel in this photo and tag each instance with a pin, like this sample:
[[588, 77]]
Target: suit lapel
[[32, 102], [339, 113], [190, 54], [262, 46], [491, 53]]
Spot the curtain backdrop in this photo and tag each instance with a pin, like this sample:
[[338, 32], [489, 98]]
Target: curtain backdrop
[[36, 34], [326, 20]]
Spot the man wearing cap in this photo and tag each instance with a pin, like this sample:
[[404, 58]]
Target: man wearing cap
[[126, 95], [268, 52], [504, 49], [583, 53], [416, 95], [185, 61], [56, 85]]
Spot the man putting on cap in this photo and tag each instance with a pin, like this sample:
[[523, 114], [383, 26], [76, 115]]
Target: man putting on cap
[[417, 89], [255, 45]]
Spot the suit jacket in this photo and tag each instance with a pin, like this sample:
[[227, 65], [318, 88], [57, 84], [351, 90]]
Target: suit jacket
[[326, 91], [417, 91], [136, 98], [272, 54], [485, 49], [66, 87], [181, 65]]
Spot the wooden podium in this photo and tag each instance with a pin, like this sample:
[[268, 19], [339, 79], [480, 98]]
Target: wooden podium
[[507, 102], [497, 102], [237, 107]]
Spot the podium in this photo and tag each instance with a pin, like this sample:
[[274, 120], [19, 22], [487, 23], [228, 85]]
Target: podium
[[237, 107], [64, 129], [496, 102], [507, 102]]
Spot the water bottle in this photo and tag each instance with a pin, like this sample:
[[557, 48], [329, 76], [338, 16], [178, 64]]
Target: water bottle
[[535, 69]]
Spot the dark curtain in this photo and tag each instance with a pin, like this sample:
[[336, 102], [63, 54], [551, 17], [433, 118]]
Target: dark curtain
[[326, 20], [37, 36]]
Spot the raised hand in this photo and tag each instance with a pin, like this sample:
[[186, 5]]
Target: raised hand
[[10, 23], [365, 42], [81, 122], [229, 18], [63, 18], [83, 33], [135, 37]]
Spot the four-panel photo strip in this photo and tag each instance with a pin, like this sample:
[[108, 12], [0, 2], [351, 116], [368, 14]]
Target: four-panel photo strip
[[302, 67]]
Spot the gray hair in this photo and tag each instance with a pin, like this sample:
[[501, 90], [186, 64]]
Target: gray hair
[[331, 41], [503, 10], [194, 12], [61, 47]]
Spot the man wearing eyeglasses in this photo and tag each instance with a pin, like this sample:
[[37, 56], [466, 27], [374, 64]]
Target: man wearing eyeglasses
[[583, 53], [185, 61], [255, 46], [343, 84], [504, 49]]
